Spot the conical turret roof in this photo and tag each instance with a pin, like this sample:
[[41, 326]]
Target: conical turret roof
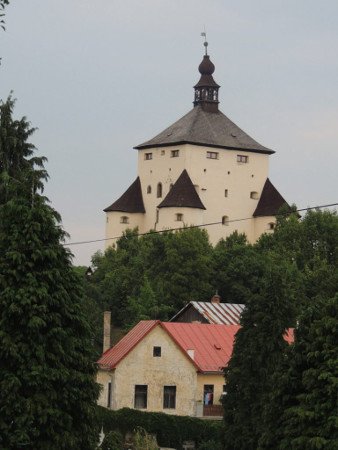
[[131, 201], [182, 194]]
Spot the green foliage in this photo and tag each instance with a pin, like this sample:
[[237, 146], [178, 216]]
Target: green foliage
[[113, 441], [153, 276], [170, 430], [210, 445], [143, 441], [47, 388], [259, 349], [3, 3], [309, 417]]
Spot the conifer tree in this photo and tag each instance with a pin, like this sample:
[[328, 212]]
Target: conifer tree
[[308, 392], [47, 387], [259, 348]]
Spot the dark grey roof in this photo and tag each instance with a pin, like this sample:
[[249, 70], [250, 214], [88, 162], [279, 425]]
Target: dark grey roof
[[212, 129], [182, 194], [131, 201], [270, 201]]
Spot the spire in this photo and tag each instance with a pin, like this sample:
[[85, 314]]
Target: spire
[[206, 90]]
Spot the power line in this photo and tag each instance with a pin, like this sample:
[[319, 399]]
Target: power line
[[196, 226]]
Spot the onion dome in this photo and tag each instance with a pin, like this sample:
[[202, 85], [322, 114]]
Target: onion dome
[[206, 90]]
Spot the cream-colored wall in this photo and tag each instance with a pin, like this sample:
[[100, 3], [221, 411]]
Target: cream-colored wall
[[262, 225], [114, 227], [103, 378], [217, 380], [212, 177], [173, 368]]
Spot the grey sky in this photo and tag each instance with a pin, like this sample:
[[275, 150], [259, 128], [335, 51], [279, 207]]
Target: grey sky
[[99, 77]]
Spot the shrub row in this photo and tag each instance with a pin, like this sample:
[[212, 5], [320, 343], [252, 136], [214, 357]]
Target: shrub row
[[170, 431]]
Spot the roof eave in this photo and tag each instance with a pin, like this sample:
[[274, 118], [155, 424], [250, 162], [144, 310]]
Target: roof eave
[[266, 151]]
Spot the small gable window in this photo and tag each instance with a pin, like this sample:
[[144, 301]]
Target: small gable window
[[225, 220], [242, 159], [179, 217], [124, 219], [157, 352], [212, 155], [254, 195], [159, 190], [149, 189], [148, 156], [175, 153]]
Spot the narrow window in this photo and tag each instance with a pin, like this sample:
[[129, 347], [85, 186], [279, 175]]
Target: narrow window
[[124, 219], [225, 220], [254, 195], [224, 392], [242, 159], [226, 192], [159, 190], [149, 189], [109, 395], [212, 155], [179, 217], [271, 226], [208, 394], [157, 351], [148, 156], [175, 153], [169, 397], [157, 215], [141, 396]]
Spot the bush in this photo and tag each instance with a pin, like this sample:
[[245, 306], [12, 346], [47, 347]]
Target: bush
[[170, 430], [113, 441]]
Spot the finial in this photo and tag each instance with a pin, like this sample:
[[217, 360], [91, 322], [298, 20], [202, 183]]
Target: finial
[[204, 34]]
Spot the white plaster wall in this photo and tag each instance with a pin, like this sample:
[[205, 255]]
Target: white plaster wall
[[114, 227], [211, 177], [141, 367]]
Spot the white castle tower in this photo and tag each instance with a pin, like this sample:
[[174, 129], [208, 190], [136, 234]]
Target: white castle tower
[[203, 169]]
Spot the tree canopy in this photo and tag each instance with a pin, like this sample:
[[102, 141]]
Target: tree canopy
[[47, 387]]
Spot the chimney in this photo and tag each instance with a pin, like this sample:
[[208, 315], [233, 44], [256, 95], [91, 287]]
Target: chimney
[[106, 330], [216, 298], [191, 353]]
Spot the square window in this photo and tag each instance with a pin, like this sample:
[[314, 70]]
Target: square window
[[169, 397], [157, 351], [162, 152], [175, 153], [242, 159], [212, 155], [179, 217], [141, 396], [124, 219], [148, 156]]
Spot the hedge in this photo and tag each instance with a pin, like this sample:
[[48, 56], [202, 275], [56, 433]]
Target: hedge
[[170, 430]]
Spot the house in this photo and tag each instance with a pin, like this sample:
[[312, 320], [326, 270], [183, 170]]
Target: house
[[210, 312], [168, 367], [203, 169]]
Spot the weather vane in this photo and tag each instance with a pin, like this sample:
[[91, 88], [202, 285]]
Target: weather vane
[[204, 34]]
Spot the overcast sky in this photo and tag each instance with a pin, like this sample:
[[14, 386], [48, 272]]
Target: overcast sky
[[99, 77]]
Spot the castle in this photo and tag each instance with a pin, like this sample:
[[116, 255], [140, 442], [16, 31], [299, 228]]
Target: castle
[[201, 170]]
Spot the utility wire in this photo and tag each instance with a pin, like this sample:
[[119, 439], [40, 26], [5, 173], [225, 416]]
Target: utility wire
[[196, 226]]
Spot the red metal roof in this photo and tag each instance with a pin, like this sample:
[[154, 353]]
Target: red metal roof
[[113, 356], [211, 344]]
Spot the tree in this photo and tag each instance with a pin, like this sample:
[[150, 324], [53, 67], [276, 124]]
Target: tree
[[47, 388], [259, 348], [308, 391], [3, 3]]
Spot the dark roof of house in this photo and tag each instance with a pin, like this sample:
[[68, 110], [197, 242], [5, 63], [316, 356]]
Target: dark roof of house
[[270, 201], [131, 201], [218, 313], [212, 129], [182, 194]]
